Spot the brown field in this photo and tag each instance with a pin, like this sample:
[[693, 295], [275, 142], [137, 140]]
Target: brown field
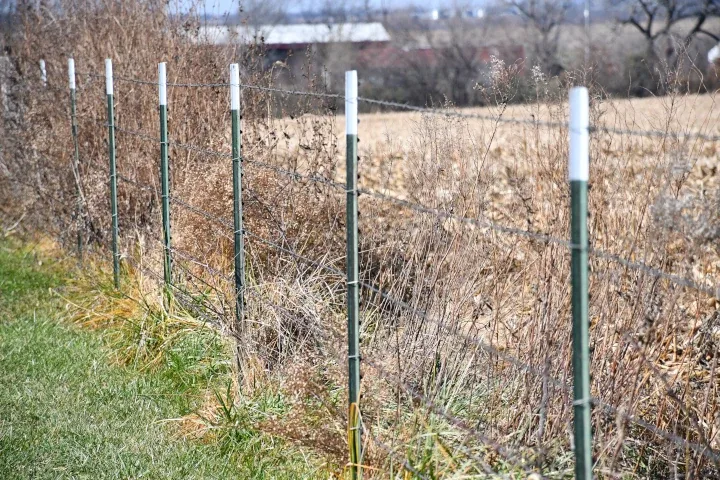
[[650, 203], [387, 138]]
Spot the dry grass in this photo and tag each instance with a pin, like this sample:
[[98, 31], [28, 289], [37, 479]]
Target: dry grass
[[653, 200]]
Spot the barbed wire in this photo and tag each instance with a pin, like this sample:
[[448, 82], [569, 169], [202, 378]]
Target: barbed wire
[[533, 122], [429, 110], [194, 303], [202, 285], [676, 279], [512, 456], [194, 300], [204, 265], [229, 225], [155, 82], [215, 85], [119, 78], [217, 321], [681, 281], [701, 449], [151, 138], [294, 254], [204, 213], [197, 149], [655, 133], [301, 93], [545, 238], [198, 85], [669, 393], [289, 173], [404, 461], [339, 96], [655, 272], [542, 237], [174, 199], [466, 115], [136, 81], [298, 176], [135, 133], [446, 112], [140, 185]]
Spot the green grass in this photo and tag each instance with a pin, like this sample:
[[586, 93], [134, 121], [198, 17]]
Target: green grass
[[68, 411]]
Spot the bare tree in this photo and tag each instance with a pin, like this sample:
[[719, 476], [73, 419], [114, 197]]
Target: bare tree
[[657, 19], [543, 20], [437, 60]]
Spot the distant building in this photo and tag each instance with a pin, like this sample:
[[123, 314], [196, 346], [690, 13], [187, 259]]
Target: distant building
[[296, 37], [420, 68], [285, 45]]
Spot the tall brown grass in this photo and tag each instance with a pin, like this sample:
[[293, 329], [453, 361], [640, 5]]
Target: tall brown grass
[[466, 298]]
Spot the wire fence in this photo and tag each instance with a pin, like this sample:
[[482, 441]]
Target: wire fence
[[219, 309], [445, 112]]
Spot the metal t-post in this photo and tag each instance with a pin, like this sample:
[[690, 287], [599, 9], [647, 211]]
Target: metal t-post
[[76, 157], [239, 236], [578, 175], [353, 294], [164, 174], [113, 169]]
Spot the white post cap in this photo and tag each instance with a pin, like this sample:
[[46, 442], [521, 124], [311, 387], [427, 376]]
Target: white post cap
[[108, 76], [71, 73], [234, 86], [162, 83], [579, 168], [351, 102], [43, 73]]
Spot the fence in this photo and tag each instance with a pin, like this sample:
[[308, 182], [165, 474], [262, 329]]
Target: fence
[[579, 129]]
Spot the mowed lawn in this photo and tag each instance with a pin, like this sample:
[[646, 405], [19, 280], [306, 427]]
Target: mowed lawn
[[66, 411]]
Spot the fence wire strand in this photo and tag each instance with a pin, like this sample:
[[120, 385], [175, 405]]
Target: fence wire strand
[[698, 448], [703, 450], [541, 237], [446, 112]]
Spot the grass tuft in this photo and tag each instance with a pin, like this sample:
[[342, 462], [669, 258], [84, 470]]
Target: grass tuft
[[99, 385]]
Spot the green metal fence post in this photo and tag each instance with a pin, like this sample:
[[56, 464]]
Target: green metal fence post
[[237, 208], [76, 157], [578, 175], [353, 294], [113, 170], [164, 172]]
